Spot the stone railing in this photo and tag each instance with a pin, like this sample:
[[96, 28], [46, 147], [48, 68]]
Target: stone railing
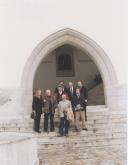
[[18, 149]]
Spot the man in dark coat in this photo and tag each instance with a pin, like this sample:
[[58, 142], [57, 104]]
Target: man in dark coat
[[50, 104], [71, 90], [59, 92], [84, 93], [37, 109], [79, 107], [64, 88]]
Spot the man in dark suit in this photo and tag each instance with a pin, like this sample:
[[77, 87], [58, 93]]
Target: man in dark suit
[[37, 105], [84, 93], [71, 90], [79, 107]]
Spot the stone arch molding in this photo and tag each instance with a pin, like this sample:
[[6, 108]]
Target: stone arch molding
[[77, 39]]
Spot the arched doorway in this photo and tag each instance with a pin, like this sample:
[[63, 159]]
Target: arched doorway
[[68, 63], [78, 40]]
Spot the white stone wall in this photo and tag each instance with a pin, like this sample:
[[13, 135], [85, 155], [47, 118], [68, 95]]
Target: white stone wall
[[23, 24], [18, 149]]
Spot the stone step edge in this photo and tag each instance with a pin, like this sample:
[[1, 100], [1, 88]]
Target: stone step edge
[[91, 142]]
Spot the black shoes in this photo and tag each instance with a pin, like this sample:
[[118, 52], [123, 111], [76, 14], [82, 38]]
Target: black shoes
[[38, 131], [85, 129], [59, 135], [66, 135], [48, 131], [77, 130], [63, 135]]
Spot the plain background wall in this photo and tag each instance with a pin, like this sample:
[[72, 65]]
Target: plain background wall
[[23, 24]]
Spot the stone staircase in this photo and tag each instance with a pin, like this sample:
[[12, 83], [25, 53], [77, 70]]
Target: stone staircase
[[96, 95], [103, 144], [83, 148]]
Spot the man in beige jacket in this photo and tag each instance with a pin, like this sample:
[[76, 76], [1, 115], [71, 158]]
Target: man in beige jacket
[[66, 115]]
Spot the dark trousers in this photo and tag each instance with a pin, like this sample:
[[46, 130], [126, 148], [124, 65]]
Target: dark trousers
[[37, 122], [64, 124], [46, 118]]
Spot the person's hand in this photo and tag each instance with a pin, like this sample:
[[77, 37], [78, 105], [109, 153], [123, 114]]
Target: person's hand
[[65, 110], [75, 109], [44, 100], [78, 106]]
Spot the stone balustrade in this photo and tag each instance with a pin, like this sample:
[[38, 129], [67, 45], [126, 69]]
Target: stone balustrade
[[18, 149]]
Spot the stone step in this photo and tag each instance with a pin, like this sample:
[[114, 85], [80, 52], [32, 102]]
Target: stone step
[[90, 122], [96, 98], [76, 148], [93, 120], [96, 95], [106, 130], [82, 135], [104, 142], [95, 133], [91, 127], [105, 155], [78, 140], [92, 116], [91, 112], [45, 148]]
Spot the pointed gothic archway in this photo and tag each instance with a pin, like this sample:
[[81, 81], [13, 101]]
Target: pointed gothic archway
[[79, 40]]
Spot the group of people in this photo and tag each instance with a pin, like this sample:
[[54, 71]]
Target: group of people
[[70, 103]]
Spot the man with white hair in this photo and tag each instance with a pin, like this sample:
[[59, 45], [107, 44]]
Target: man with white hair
[[71, 90], [84, 93], [50, 105], [66, 115]]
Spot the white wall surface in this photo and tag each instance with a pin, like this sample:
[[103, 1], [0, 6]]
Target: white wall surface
[[23, 24], [18, 149]]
